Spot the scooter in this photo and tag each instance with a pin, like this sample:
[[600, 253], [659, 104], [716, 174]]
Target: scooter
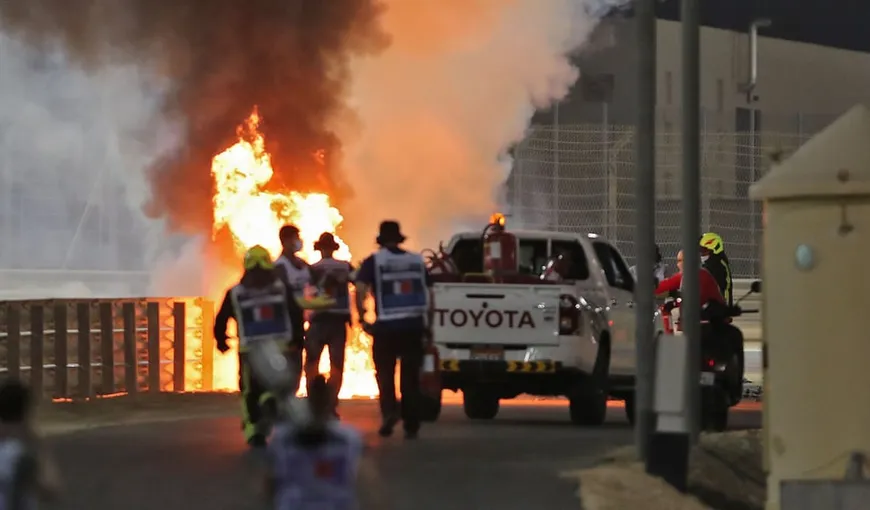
[[722, 363]]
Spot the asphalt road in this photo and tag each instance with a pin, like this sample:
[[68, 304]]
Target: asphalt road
[[509, 463]]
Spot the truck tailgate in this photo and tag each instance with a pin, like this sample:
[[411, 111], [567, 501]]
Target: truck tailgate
[[499, 314]]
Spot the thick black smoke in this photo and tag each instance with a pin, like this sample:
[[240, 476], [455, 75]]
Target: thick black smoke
[[222, 57]]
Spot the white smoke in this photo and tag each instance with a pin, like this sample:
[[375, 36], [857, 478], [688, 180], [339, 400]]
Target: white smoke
[[73, 148], [439, 109]]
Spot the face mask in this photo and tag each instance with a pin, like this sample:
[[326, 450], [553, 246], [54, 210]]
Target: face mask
[[704, 258], [297, 246]]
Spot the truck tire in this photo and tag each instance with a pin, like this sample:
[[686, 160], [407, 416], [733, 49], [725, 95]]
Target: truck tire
[[630, 406], [480, 404], [587, 406], [714, 410], [430, 408]]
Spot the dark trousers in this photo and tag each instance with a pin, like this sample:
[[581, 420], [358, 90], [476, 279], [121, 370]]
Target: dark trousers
[[329, 333], [388, 346]]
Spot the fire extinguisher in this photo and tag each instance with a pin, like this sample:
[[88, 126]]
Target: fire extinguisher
[[430, 375], [499, 248]]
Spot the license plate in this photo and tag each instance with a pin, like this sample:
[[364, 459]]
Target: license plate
[[708, 378], [488, 354]]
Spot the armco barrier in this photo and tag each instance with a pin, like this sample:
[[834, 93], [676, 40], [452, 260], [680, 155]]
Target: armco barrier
[[77, 348]]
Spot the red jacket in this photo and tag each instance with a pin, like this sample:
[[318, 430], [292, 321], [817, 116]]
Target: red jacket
[[709, 288]]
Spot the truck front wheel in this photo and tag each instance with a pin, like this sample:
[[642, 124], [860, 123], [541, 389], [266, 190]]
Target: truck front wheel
[[480, 404]]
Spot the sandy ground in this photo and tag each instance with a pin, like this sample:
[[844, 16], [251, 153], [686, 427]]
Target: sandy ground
[[725, 474]]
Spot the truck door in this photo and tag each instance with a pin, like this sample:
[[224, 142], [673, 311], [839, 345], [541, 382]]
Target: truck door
[[621, 301]]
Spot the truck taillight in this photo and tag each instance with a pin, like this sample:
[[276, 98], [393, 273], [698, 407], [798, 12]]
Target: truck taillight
[[569, 315]]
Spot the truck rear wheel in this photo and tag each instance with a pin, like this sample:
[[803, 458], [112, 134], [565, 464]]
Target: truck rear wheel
[[480, 404], [588, 406], [430, 407]]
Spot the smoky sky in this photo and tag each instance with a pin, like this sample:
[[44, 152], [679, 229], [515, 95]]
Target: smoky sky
[[220, 58]]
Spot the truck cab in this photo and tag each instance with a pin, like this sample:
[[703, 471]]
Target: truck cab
[[569, 336]]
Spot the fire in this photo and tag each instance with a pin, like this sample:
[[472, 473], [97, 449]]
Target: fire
[[254, 215]]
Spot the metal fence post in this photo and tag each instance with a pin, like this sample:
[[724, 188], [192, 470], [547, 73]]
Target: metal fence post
[[13, 339], [107, 349], [208, 345], [83, 337], [131, 363], [556, 168], [178, 345], [37, 345], [153, 316], [61, 351]]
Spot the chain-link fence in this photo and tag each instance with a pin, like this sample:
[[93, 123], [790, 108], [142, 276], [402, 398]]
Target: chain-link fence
[[580, 177]]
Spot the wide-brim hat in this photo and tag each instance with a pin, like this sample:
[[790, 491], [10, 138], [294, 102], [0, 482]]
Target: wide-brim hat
[[390, 232], [326, 242]]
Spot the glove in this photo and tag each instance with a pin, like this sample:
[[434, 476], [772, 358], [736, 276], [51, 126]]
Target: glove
[[222, 345]]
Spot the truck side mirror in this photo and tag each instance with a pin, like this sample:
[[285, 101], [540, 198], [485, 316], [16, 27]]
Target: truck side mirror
[[755, 287]]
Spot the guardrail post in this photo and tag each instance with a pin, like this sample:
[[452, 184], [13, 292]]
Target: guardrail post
[[83, 318], [107, 348], [178, 345], [131, 364], [207, 345], [13, 339], [61, 358], [37, 344], [153, 316]]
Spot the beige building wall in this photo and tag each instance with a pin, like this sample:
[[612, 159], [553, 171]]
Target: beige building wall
[[801, 88]]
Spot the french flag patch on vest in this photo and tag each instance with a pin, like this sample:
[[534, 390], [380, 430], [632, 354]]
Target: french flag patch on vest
[[264, 313], [403, 287]]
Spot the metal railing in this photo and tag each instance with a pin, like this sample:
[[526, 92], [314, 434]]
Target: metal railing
[[66, 346]]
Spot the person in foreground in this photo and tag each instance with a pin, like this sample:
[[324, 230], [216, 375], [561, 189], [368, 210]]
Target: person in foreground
[[265, 310], [312, 461], [27, 473], [402, 291]]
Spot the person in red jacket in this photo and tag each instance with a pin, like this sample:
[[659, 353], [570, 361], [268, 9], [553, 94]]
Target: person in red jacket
[[709, 288]]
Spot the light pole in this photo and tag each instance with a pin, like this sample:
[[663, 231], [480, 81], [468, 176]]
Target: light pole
[[751, 99], [645, 180]]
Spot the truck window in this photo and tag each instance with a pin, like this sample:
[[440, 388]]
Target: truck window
[[533, 256], [467, 255], [615, 270], [573, 251]]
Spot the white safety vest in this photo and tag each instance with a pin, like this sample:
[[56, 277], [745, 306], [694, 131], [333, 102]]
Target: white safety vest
[[11, 453], [400, 285], [315, 478], [341, 270], [262, 314], [298, 278]]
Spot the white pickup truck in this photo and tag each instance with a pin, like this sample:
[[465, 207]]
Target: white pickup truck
[[574, 337]]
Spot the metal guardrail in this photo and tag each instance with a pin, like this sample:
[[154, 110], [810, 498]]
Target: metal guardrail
[[151, 344]]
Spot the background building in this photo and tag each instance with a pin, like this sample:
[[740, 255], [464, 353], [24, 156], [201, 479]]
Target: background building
[[575, 169]]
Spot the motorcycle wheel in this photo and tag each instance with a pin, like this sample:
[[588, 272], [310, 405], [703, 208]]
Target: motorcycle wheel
[[714, 410]]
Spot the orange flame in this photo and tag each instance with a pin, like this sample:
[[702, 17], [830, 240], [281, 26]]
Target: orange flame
[[253, 216]]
